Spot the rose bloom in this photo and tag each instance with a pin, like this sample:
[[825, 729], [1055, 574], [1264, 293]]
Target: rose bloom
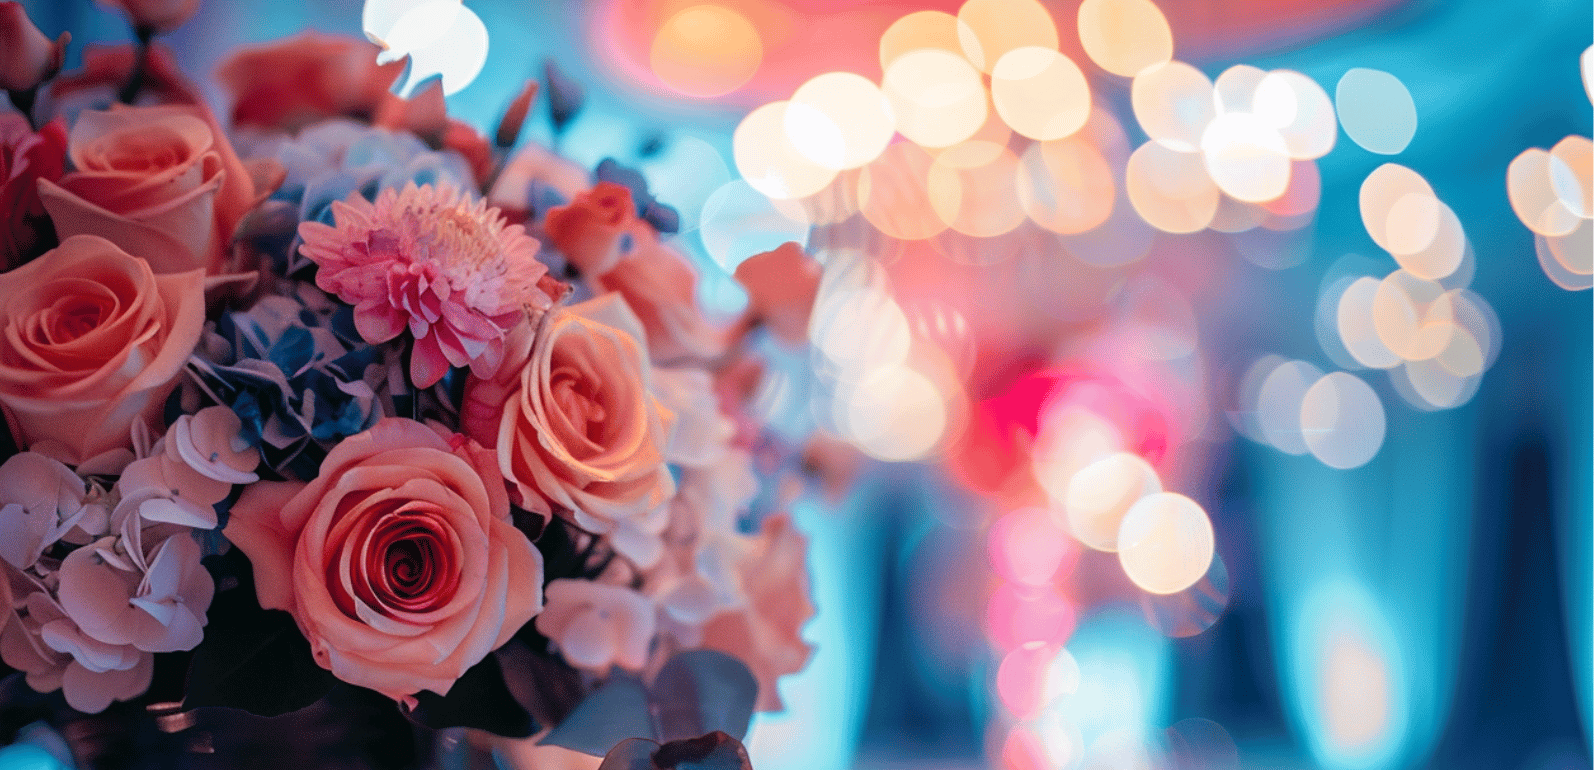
[[576, 427], [25, 158], [90, 341], [399, 562], [161, 182], [157, 16], [291, 83], [588, 230], [660, 285]]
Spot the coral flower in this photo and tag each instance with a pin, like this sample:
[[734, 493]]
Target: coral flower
[[431, 260]]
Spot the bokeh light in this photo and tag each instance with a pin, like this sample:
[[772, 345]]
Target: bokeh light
[[1376, 110], [1530, 183], [972, 189], [1201, 744], [1245, 157], [894, 194], [1278, 405], [1040, 93], [1342, 420], [1192, 611], [1354, 321], [1101, 493], [1170, 189], [920, 29], [936, 95], [1026, 546], [840, 120], [706, 50], [1299, 109], [1173, 102], [769, 161], [1065, 186], [1020, 616], [1125, 37], [989, 29], [1165, 543]]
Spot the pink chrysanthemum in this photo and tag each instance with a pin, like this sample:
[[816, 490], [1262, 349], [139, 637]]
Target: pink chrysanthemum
[[431, 260]]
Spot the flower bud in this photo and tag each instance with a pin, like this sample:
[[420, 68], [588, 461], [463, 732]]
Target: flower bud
[[156, 16], [27, 57]]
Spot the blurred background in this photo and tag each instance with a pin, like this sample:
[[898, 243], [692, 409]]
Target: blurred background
[[1373, 560]]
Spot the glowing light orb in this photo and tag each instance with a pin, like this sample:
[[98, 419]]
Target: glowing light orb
[[1278, 405], [1027, 547], [988, 29], [937, 96], [920, 29], [1342, 420], [1101, 493], [706, 50], [840, 120], [1040, 93], [1165, 543], [1173, 102], [1245, 158], [1125, 37], [443, 38], [1355, 324], [1235, 89], [1376, 110], [973, 197], [1399, 209], [894, 196], [1170, 189], [1065, 186], [1532, 189], [769, 161], [1300, 110]]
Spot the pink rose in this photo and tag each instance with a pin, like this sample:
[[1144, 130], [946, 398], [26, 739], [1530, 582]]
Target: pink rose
[[161, 182], [157, 16], [531, 169], [766, 634], [91, 340], [588, 230], [25, 158], [661, 287], [576, 427], [399, 562], [27, 57], [294, 82], [781, 286]]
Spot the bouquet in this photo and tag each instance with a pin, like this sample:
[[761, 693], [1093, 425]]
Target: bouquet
[[351, 416]]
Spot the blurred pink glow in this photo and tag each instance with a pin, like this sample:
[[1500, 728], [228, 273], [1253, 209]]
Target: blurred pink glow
[[1028, 547], [1024, 615], [1020, 679]]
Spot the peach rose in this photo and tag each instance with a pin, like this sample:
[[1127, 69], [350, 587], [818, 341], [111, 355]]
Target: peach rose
[[161, 182], [781, 285], [589, 229], [660, 284], [399, 562], [90, 341], [157, 16], [294, 82], [576, 427], [766, 634]]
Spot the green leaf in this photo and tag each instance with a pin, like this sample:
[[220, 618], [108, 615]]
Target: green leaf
[[614, 712]]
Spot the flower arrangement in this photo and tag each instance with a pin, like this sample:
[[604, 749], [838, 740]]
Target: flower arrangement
[[350, 408]]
